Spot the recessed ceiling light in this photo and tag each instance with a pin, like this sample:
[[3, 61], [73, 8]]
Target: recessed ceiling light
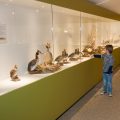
[[43, 6], [37, 10], [80, 28], [99, 2], [10, 0], [102, 2], [65, 31], [52, 29], [13, 12], [6, 4]]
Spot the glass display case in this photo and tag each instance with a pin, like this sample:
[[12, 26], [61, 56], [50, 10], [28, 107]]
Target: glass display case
[[28, 28], [88, 33], [66, 30], [115, 33], [88, 30], [106, 31], [96, 32], [40, 34], [99, 33]]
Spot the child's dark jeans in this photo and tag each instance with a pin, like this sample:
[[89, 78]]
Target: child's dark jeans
[[107, 83]]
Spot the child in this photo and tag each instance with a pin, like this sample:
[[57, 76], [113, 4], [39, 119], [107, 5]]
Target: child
[[107, 69]]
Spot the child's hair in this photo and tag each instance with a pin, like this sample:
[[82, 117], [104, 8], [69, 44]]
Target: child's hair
[[109, 48]]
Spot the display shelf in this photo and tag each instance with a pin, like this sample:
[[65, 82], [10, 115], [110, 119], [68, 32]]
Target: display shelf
[[6, 85], [48, 98]]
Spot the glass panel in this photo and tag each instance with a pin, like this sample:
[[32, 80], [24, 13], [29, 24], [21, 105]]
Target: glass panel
[[115, 30], [28, 26], [99, 39], [28, 29], [88, 33], [106, 31], [66, 30]]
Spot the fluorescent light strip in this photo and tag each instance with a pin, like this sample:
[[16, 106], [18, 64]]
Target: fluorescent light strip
[[104, 1]]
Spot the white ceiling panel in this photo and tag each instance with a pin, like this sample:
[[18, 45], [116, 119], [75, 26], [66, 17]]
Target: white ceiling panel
[[113, 5]]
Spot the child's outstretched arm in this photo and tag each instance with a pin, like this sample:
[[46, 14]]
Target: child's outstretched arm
[[97, 56]]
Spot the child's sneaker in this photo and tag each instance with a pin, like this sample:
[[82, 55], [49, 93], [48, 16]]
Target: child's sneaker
[[110, 95], [103, 92]]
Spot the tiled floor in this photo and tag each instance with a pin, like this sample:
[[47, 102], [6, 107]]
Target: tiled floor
[[94, 106]]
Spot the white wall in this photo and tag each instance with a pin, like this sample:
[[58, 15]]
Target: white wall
[[27, 31]]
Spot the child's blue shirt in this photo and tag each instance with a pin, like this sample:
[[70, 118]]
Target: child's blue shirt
[[108, 62]]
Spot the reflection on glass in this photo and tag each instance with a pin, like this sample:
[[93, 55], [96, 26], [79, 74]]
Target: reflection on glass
[[115, 33], [88, 34], [28, 28], [66, 24]]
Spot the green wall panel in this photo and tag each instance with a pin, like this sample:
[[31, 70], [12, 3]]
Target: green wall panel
[[48, 98], [116, 55]]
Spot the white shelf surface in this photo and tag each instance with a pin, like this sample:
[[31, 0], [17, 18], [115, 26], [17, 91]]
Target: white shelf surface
[[7, 85]]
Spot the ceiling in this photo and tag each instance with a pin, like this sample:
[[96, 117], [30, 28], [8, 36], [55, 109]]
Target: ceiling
[[29, 3], [113, 5]]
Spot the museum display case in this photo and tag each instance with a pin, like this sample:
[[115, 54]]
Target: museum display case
[[26, 27], [96, 32], [63, 37], [46, 57]]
